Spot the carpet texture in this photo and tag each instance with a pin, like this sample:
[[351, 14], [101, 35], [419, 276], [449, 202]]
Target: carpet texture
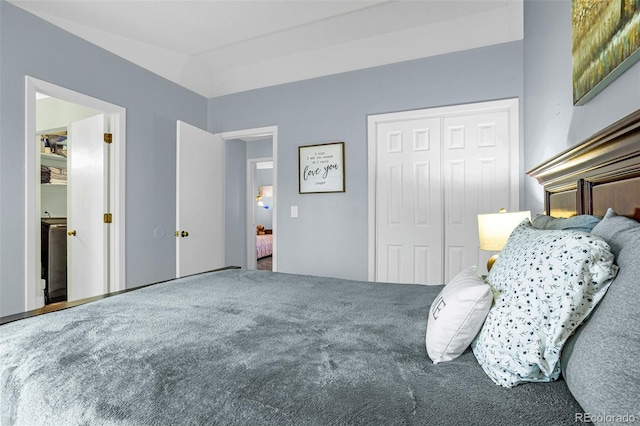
[[251, 348]]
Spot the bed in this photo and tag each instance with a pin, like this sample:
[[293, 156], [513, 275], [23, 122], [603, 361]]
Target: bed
[[258, 347], [264, 245]]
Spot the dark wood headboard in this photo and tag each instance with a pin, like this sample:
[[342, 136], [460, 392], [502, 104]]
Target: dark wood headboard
[[601, 172]]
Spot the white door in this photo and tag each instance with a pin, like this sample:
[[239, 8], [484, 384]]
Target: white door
[[409, 210], [199, 201], [87, 202], [476, 170]]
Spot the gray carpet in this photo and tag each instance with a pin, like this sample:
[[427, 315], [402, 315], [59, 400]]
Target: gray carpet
[[250, 348]]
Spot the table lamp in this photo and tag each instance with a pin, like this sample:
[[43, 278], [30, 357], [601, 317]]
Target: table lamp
[[494, 230]]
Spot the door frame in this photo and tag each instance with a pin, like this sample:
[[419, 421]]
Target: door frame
[[373, 121], [33, 288], [252, 262], [248, 135]]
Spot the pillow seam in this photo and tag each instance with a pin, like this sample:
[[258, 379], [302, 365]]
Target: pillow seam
[[462, 323]]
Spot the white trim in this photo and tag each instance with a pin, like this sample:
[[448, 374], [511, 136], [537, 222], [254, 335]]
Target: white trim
[[372, 136], [32, 185], [250, 218], [510, 105], [253, 134]]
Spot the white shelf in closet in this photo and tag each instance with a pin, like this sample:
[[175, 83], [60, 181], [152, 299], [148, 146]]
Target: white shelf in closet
[[53, 160]]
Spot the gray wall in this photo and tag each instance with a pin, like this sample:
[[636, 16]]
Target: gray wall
[[552, 123], [30, 46], [262, 148], [330, 235]]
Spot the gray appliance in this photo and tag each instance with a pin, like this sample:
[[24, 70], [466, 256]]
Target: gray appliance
[[54, 259]]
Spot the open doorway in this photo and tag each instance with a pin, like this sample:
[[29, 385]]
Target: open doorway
[[248, 147], [72, 208], [260, 172]]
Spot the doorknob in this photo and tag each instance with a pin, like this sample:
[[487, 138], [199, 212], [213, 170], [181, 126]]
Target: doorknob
[[184, 234], [71, 233]]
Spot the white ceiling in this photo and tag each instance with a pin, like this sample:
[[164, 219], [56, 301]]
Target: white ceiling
[[218, 47]]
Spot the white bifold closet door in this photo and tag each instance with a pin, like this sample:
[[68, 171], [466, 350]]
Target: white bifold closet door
[[435, 171]]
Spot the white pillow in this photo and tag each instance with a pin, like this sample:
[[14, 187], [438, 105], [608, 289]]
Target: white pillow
[[456, 315], [545, 284]]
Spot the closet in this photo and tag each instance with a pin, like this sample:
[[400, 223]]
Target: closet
[[431, 172], [94, 208], [54, 119], [53, 233]]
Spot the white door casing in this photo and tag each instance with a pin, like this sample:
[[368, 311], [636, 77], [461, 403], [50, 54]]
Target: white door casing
[[478, 173], [409, 213], [200, 208], [252, 262], [87, 201]]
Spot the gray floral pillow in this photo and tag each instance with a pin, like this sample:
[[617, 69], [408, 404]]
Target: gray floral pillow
[[545, 283]]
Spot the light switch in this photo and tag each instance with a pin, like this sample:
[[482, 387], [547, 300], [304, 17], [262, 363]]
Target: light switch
[[294, 211]]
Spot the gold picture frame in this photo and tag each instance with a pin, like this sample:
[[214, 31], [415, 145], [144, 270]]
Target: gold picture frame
[[605, 42]]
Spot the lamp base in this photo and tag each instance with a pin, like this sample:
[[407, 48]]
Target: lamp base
[[491, 261]]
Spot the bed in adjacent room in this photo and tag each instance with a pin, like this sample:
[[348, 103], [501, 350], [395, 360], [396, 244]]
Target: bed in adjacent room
[[256, 347], [264, 245]]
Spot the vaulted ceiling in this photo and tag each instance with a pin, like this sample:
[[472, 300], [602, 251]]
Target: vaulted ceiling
[[218, 47]]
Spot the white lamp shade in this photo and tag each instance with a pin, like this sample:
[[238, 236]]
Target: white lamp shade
[[494, 229]]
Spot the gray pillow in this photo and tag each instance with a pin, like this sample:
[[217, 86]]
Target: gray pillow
[[601, 361], [583, 222]]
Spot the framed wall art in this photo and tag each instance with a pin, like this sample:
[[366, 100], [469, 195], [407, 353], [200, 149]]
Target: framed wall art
[[605, 42], [321, 168]]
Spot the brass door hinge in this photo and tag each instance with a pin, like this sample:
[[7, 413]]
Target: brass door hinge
[[108, 218], [108, 138]]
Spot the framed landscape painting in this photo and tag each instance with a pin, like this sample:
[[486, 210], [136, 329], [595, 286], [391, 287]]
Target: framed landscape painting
[[605, 42]]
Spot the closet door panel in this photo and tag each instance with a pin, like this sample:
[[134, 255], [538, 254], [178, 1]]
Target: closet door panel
[[476, 180], [408, 207]]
